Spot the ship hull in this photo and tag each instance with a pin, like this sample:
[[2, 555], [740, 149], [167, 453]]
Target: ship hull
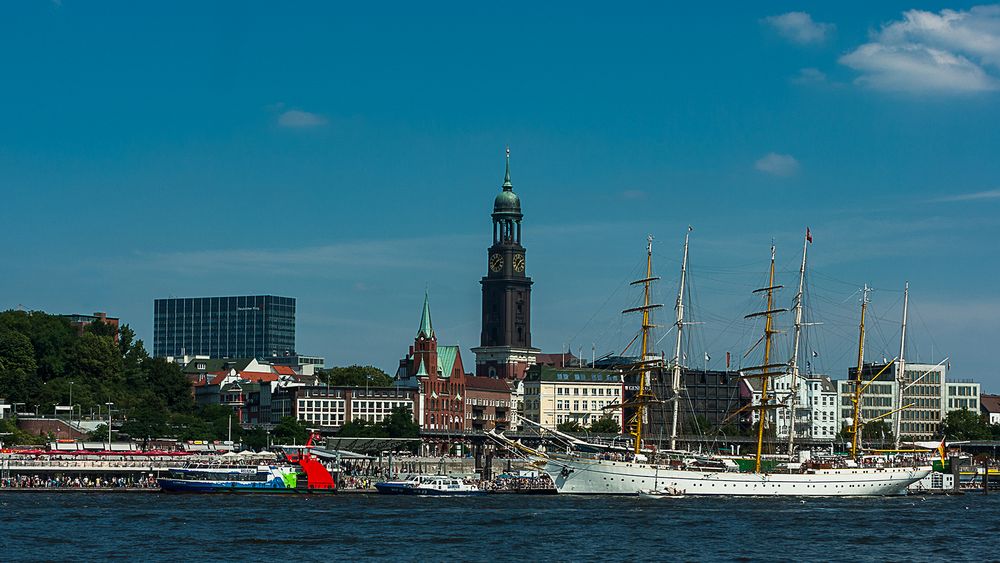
[[586, 476]]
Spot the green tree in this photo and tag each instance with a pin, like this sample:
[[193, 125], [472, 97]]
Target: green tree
[[605, 425], [400, 424], [101, 328], [149, 420], [290, 431], [356, 376], [569, 426], [361, 428], [965, 425], [254, 438], [17, 366], [167, 380]]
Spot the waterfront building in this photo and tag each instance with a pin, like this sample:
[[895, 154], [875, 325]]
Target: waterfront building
[[712, 397], [247, 386], [505, 349], [553, 396], [247, 326], [81, 322], [437, 373], [334, 406], [989, 406], [488, 403], [816, 408], [877, 401], [925, 387], [6, 409], [963, 394]]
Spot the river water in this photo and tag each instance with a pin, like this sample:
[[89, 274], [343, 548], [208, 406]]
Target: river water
[[160, 527]]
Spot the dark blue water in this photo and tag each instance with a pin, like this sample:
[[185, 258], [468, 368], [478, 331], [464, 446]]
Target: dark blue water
[[159, 527]]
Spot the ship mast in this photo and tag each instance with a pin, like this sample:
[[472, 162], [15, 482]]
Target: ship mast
[[901, 369], [675, 384], [643, 396], [856, 397], [794, 363], [766, 367]]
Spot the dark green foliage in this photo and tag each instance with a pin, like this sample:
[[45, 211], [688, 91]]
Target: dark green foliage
[[569, 426], [42, 357], [606, 425], [399, 424], [966, 425], [356, 376], [290, 431]]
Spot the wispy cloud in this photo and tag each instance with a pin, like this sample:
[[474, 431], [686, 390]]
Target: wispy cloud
[[777, 164], [974, 196], [800, 28], [809, 76], [298, 119], [946, 52]]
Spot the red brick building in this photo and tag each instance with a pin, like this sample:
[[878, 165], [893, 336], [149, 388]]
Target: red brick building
[[438, 374]]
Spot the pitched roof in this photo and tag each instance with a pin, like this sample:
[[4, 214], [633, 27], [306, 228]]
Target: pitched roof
[[446, 359], [258, 376], [421, 370], [486, 384], [990, 403], [283, 370]]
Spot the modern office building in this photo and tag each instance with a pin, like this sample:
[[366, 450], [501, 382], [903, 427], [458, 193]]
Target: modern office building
[[246, 326], [925, 396]]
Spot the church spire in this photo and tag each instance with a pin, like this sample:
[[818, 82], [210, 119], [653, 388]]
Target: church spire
[[426, 329], [507, 186]]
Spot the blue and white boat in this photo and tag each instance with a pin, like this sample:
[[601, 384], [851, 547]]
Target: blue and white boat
[[238, 479], [429, 485]]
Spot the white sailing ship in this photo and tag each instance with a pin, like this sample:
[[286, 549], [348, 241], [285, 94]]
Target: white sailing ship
[[629, 473]]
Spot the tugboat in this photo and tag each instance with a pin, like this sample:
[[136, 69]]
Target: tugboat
[[302, 473]]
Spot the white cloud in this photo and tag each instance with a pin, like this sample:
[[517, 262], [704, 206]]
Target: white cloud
[[809, 76], [799, 27], [947, 52], [975, 196], [777, 164], [294, 118]]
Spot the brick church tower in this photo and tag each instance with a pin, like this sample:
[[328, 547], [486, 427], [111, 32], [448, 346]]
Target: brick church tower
[[505, 341]]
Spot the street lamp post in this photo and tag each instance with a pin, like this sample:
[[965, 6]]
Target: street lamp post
[[109, 404], [71, 400]]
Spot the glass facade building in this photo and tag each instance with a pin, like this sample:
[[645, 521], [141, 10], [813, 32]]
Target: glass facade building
[[248, 326]]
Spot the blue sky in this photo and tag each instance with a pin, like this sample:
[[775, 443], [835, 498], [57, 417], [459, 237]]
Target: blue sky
[[348, 156]]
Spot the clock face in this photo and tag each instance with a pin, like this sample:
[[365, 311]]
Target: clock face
[[496, 262], [518, 262]]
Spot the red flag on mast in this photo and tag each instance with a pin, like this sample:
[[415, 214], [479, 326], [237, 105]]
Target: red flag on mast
[[809, 236]]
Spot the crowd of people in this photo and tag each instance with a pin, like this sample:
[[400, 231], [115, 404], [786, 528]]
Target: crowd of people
[[517, 484], [68, 482]]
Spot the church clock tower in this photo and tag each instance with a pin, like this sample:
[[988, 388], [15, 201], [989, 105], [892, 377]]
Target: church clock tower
[[505, 341]]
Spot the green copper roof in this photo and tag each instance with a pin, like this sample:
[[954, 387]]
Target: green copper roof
[[446, 359], [426, 330], [421, 371], [507, 201]]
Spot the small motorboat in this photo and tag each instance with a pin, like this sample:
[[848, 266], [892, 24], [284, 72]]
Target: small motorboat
[[429, 485]]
